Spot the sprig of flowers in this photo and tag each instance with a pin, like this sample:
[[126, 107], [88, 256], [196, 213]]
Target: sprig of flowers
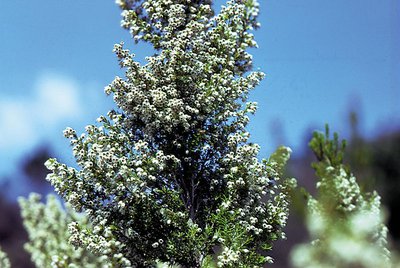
[[346, 225]]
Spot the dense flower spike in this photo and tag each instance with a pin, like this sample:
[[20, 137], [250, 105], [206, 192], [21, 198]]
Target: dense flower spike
[[171, 175], [345, 224]]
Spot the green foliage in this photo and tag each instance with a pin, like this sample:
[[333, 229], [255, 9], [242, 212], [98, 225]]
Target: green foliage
[[327, 151], [346, 225]]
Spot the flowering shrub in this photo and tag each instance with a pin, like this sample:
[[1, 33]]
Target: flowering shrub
[[170, 176], [345, 224]]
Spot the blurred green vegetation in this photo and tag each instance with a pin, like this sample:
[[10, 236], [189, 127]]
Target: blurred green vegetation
[[377, 164]]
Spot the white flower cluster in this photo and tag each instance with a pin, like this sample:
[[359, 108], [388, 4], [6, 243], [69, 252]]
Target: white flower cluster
[[173, 163], [228, 257], [256, 208], [99, 241]]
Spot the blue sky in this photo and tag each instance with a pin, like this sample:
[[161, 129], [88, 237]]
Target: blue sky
[[322, 58]]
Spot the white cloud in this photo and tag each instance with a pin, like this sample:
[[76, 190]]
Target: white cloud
[[56, 98], [27, 119], [15, 126]]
